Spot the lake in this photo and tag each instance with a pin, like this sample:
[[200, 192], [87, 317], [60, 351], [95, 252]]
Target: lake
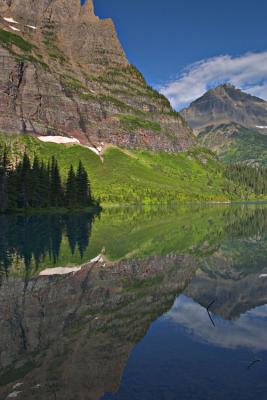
[[136, 303]]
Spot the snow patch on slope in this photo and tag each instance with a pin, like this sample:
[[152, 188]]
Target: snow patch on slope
[[10, 20], [94, 150], [65, 140], [14, 29], [13, 395], [99, 258], [31, 26], [59, 271], [58, 139], [97, 150]]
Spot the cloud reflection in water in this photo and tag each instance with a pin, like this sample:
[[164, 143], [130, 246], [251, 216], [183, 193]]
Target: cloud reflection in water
[[248, 331]]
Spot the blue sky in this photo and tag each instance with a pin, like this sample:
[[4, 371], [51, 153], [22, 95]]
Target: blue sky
[[165, 40]]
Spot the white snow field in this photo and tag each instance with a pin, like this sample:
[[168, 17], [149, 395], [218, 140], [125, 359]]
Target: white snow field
[[58, 139], [10, 20], [59, 271]]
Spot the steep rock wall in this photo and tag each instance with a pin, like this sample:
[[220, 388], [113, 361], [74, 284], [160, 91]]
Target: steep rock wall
[[64, 72]]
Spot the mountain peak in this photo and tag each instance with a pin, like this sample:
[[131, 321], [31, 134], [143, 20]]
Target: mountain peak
[[233, 92], [226, 104], [228, 88], [37, 11], [225, 86], [231, 123], [220, 90], [88, 7]]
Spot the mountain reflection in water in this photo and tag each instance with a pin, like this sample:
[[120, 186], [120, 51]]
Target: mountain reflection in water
[[130, 321]]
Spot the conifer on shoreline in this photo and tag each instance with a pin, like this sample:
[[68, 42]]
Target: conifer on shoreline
[[39, 185]]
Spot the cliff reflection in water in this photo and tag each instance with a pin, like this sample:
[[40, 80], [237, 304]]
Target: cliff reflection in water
[[70, 336]]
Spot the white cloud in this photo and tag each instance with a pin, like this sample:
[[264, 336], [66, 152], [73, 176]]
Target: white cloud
[[248, 72]]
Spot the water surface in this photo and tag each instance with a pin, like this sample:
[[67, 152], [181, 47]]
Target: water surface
[[135, 303]]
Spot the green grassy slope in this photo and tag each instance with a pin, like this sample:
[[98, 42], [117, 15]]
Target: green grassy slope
[[241, 145], [136, 177]]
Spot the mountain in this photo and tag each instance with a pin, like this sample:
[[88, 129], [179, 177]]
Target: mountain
[[231, 123], [64, 72]]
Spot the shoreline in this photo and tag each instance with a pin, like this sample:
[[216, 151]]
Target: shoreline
[[53, 210], [99, 209]]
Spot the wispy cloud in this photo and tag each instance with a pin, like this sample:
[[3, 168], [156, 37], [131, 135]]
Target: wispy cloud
[[248, 72]]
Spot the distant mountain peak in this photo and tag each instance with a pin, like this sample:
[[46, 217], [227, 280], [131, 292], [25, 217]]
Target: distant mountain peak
[[230, 122], [233, 92], [225, 86], [226, 104]]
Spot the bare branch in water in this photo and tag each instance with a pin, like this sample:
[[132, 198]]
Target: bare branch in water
[[253, 363], [209, 314]]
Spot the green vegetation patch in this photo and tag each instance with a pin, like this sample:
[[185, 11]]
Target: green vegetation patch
[[132, 82], [87, 96], [73, 83], [123, 73], [50, 42], [34, 60], [9, 39], [116, 102], [242, 145], [14, 374], [132, 122]]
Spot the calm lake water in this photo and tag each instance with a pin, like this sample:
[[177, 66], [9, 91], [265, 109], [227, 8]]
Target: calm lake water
[[135, 303]]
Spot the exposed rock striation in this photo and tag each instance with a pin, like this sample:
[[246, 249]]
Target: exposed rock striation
[[63, 71]]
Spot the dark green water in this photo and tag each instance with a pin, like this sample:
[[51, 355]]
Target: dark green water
[[135, 303]]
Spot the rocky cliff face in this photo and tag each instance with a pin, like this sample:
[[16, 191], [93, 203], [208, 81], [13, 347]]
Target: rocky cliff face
[[231, 123], [35, 11], [63, 72]]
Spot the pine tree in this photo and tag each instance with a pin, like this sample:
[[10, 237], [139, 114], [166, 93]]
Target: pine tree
[[3, 182], [44, 185], [35, 200], [56, 191], [24, 187], [71, 194], [84, 197]]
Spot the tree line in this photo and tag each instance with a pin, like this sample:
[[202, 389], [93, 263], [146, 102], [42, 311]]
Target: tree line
[[253, 177], [39, 185]]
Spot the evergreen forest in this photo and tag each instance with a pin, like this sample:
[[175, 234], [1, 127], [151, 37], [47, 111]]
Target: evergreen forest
[[39, 185]]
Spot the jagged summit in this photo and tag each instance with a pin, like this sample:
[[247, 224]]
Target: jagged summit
[[234, 93], [88, 8], [64, 72], [226, 104], [35, 12], [232, 123]]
